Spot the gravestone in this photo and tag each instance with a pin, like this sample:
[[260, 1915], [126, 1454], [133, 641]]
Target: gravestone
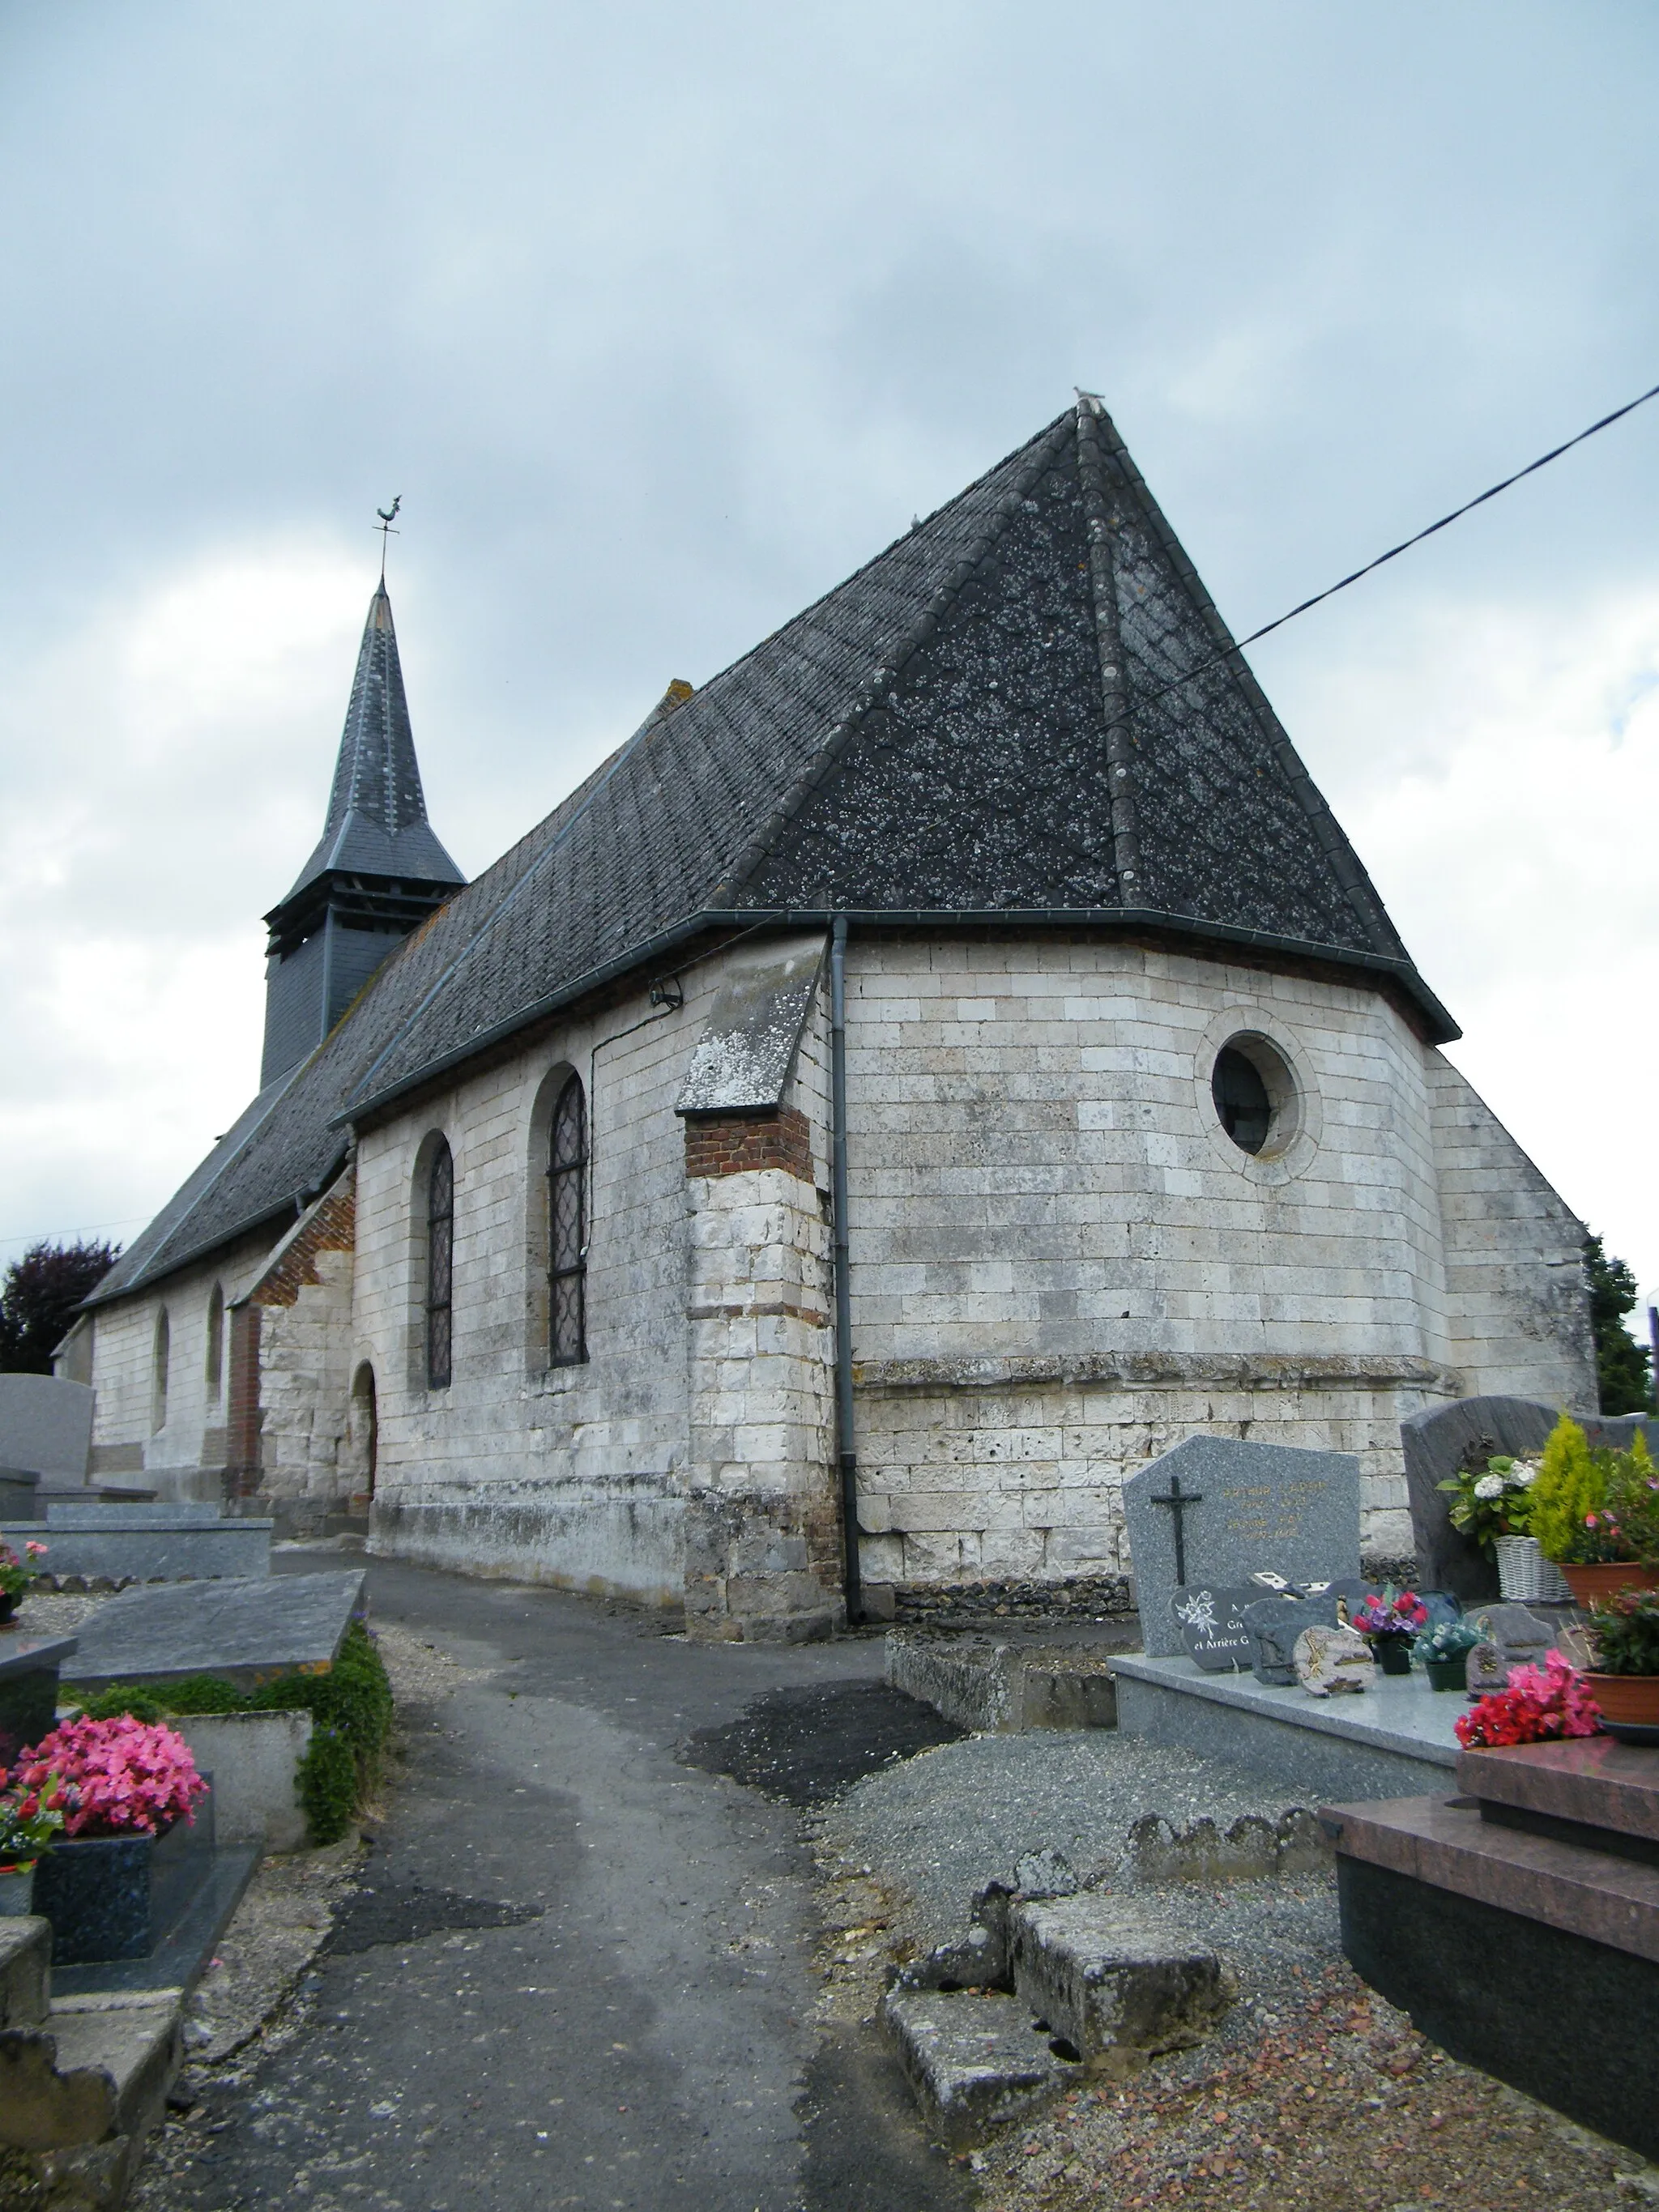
[[1212, 1632], [1274, 1624], [45, 1427], [1511, 1636], [1441, 1439], [250, 1631], [1214, 1510]]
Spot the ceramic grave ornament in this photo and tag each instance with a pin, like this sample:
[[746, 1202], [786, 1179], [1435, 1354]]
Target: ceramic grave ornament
[[1274, 1624], [1212, 1628], [1332, 1661], [1511, 1636], [1216, 1510]]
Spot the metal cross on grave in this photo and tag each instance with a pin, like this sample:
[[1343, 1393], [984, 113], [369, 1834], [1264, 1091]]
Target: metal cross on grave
[[1177, 1501]]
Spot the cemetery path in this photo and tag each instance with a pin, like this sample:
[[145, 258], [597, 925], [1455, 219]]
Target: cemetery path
[[578, 1972]]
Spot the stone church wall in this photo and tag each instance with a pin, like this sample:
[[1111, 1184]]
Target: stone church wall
[[182, 1455], [573, 1475], [1062, 1264]]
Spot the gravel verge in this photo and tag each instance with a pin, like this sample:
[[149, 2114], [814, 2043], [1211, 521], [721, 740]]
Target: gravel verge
[[938, 1827]]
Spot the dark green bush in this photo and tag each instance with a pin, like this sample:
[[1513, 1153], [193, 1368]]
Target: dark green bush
[[202, 1693], [326, 1781], [353, 1697], [121, 1697]]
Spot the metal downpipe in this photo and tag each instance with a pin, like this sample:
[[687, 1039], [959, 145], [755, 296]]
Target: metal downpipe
[[846, 1452]]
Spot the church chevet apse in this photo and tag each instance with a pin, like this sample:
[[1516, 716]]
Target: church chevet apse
[[923, 1073]]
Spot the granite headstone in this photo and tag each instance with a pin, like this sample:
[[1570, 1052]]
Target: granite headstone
[[1274, 1624], [45, 1426], [1214, 1510], [1511, 1636]]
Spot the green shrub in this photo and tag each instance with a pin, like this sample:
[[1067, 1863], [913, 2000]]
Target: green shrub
[[1569, 1484], [202, 1693], [121, 1697], [1625, 1633], [354, 1698], [325, 1782]]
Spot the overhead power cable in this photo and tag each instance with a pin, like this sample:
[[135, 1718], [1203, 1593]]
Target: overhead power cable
[[1405, 544]]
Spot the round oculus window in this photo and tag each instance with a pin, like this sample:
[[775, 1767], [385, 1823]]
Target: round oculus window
[[1255, 1095]]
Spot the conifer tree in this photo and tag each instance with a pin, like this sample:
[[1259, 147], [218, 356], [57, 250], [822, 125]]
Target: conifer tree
[[1621, 1363]]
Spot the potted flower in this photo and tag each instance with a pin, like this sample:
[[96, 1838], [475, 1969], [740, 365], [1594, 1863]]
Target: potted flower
[[122, 1785], [1444, 1652], [1389, 1623], [1543, 1705], [17, 1571], [1595, 1514], [1625, 1636], [1491, 1504], [29, 1819]]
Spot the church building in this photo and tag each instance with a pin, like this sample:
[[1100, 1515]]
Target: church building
[[923, 1074]]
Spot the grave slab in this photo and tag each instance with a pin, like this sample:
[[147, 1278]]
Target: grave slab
[[1396, 1739], [973, 2059], [45, 1426], [1215, 1511], [249, 1630], [147, 1543]]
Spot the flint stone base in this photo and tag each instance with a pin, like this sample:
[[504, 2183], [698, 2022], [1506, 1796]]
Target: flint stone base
[[975, 2059]]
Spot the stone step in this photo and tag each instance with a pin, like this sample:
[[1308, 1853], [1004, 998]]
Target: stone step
[[98, 2068], [25, 1970], [1444, 1842], [1595, 1792], [975, 2059], [1102, 1970]]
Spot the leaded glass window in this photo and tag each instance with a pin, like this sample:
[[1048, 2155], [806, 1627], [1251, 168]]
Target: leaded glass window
[[566, 1222], [440, 1268]]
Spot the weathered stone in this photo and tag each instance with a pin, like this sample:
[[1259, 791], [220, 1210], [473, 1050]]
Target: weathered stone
[[1002, 1688], [1242, 1507], [1110, 1981], [974, 2059], [1251, 1849], [252, 1759], [25, 1970], [98, 2068], [1330, 1661]]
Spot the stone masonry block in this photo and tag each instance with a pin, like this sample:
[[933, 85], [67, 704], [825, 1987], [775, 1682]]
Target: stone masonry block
[[1106, 1976]]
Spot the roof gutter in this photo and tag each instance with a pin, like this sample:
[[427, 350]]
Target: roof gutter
[[1108, 921]]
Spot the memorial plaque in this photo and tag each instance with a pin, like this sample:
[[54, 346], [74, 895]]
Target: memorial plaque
[[1332, 1661], [1274, 1624], [1212, 1629], [1511, 1636], [1214, 1512]]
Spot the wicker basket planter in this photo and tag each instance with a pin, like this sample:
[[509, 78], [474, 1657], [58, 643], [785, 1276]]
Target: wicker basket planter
[[1592, 1585], [1525, 1577]]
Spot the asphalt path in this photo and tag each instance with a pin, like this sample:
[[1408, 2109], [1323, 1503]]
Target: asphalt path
[[578, 1972]]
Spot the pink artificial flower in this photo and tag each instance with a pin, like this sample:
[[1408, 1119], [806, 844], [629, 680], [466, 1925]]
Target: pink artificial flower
[[115, 1775]]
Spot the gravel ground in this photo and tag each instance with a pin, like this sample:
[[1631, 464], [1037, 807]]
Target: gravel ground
[[1312, 2091], [46, 1615], [941, 1827]]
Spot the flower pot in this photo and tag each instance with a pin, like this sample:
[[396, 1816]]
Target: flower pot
[[1630, 1705], [1393, 1654], [16, 1891], [1525, 1577], [1452, 1674], [96, 1892], [1592, 1585]]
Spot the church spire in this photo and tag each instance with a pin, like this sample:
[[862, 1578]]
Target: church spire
[[377, 870]]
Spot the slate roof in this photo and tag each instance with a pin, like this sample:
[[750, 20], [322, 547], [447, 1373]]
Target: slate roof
[[377, 823], [1027, 707]]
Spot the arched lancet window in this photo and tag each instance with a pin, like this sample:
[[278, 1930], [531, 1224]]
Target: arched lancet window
[[158, 1403], [440, 1266], [567, 1225], [216, 1344]]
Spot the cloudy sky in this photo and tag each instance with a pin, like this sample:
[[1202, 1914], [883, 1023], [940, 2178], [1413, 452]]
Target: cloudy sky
[[661, 319]]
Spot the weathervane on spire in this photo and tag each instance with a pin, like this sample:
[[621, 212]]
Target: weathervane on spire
[[388, 515]]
